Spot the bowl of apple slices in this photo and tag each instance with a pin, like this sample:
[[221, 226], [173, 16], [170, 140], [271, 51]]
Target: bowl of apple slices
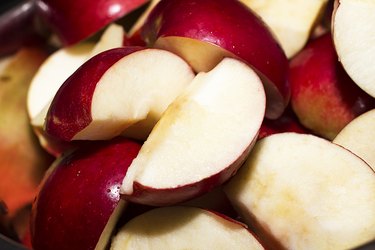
[[187, 124]]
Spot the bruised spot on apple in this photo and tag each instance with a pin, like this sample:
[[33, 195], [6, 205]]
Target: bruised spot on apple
[[324, 97], [202, 138], [79, 202], [114, 90], [182, 227], [305, 192], [203, 32]]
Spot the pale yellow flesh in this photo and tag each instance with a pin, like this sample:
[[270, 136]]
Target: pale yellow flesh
[[354, 38], [52, 74], [307, 192], [291, 21], [183, 228], [138, 87], [205, 130], [113, 37], [359, 137], [141, 20]]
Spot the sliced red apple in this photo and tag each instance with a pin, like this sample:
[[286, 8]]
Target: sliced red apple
[[324, 97], [358, 137], [115, 90], [290, 21], [76, 20], [201, 139], [113, 37], [203, 32], [79, 202], [304, 192], [353, 26], [184, 228]]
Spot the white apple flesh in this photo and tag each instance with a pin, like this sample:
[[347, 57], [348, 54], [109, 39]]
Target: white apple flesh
[[353, 34], [290, 21], [206, 31], [201, 139], [130, 84], [305, 192], [184, 228], [358, 136]]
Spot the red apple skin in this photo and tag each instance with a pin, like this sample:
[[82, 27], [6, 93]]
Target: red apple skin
[[163, 197], [228, 24], [79, 195], [18, 28], [287, 122], [70, 110], [324, 97], [75, 20]]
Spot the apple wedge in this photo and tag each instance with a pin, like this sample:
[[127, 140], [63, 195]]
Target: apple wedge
[[353, 25], [290, 21], [79, 203], [75, 20], [358, 137], [114, 90], [203, 32], [201, 139], [184, 228], [323, 96], [304, 192]]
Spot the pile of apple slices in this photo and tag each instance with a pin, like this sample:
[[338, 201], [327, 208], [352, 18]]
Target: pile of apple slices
[[181, 110]]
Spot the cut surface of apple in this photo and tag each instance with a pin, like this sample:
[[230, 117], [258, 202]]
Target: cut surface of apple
[[201, 139], [184, 228], [305, 192], [52, 73], [116, 89], [354, 33], [78, 204], [290, 21], [359, 137], [203, 32]]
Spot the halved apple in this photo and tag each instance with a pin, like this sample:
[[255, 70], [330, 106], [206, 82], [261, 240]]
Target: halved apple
[[291, 21], [353, 26], [203, 32], [79, 203], [201, 139], [358, 137], [184, 228], [304, 192], [114, 90]]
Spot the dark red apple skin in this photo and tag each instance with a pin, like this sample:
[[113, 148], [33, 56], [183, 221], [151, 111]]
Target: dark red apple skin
[[18, 28], [147, 195], [228, 24], [70, 110], [287, 122], [76, 20], [79, 195], [324, 97]]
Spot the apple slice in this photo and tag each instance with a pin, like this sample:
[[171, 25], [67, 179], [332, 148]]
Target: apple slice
[[113, 37], [79, 202], [52, 73], [304, 192], [76, 20], [184, 228], [116, 89], [290, 21], [353, 34], [201, 139], [324, 97], [358, 137], [203, 32]]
